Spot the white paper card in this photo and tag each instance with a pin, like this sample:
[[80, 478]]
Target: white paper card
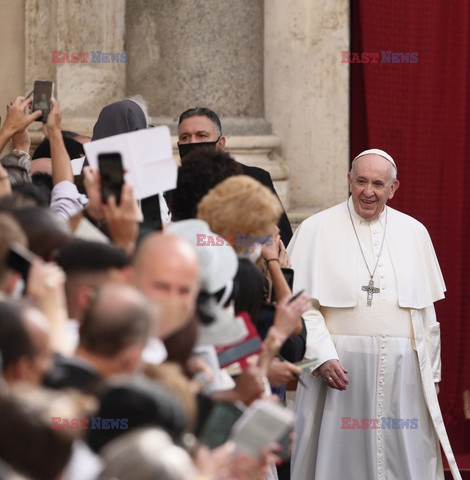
[[147, 158]]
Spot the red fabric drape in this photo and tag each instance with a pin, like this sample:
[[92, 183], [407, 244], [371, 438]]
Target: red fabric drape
[[419, 113]]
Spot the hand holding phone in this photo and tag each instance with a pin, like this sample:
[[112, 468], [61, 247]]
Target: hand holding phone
[[297, 295], [43, 91], [112, 176], [20, 259]]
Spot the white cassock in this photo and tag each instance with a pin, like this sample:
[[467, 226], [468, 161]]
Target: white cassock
[[391, 350]]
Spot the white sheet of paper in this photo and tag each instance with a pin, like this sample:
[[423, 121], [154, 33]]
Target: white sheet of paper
[[77, 164], [147, 158]]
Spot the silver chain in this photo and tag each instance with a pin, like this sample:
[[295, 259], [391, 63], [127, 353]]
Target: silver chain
[[359, 242]]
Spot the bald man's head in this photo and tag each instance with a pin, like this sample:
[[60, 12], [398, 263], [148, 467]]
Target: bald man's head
[[119, 318], [166, 266]]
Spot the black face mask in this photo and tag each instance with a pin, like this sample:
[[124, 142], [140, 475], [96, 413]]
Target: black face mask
[[185, 148]]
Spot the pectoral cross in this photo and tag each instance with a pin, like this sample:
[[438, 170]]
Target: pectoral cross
[[370, 289]]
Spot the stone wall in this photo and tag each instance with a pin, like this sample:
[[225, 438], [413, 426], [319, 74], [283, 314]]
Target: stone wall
[[307, 97], [273, 71]]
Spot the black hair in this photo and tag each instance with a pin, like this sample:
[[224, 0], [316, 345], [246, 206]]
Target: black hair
[[140, 403], [38, 191], [80, 256], [74, 148], [249, 286], [201, 170], [15, 342], [202, 112]]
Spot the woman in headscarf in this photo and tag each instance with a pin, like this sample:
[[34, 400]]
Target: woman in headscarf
[[127, 116]]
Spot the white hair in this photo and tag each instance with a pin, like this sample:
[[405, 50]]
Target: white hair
[[140, 100], [146, 454]]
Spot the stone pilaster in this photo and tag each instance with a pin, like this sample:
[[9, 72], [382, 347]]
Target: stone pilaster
[[68, 26], [206, 53]]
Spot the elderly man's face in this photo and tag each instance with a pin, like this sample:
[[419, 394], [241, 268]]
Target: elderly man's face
[[371, 185], [199, 129]]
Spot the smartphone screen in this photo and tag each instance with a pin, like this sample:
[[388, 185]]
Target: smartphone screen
[[112, 175], [19, 259], [242, 350], [216, 429], [43, 91]]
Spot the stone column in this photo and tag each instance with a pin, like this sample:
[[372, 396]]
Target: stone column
[[307, 98], [205, 53], [68, 26]]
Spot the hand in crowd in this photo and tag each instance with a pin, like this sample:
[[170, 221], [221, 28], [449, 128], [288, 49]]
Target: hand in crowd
[[17, 118], [334, 374], [250, 467], [46, 288], [288, 314], [122, 219], [5, 185], [91, 181], [201, 374], [280, 373], [20, 139], [249, 385], [271, 248], [54, 119], [284, 259], [214, 464], [45, 282]]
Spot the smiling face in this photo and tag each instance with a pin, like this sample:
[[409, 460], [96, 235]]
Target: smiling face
[[372, 184]]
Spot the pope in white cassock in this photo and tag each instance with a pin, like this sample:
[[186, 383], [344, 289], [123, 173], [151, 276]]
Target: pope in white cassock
[[370, 411]]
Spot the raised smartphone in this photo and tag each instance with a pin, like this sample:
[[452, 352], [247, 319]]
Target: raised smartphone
[[42, 93], [112, 175]]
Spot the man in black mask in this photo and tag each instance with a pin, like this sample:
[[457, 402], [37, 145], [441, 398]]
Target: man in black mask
[[200, 127]]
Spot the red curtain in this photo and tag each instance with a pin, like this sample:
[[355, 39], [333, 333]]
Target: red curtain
[[419, 113]]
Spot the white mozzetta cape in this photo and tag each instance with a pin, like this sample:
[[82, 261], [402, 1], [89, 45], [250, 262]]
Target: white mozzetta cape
[[325, 251], [326, 256]]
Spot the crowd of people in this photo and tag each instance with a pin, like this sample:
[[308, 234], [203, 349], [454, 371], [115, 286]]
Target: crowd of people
[[121, 341], [117, 321]]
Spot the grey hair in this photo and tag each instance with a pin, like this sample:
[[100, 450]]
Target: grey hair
[[18, 168], [143, 104], [146, 454]]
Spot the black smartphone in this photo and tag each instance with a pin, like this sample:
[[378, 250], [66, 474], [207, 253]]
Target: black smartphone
[[42, 93], [296, 296], [112, 176], [286, 445], [289, 276], [218, 425], [20, 259], [237, 352]]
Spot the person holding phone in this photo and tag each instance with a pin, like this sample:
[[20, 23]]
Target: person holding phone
[[16, 121], [126, 116]]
